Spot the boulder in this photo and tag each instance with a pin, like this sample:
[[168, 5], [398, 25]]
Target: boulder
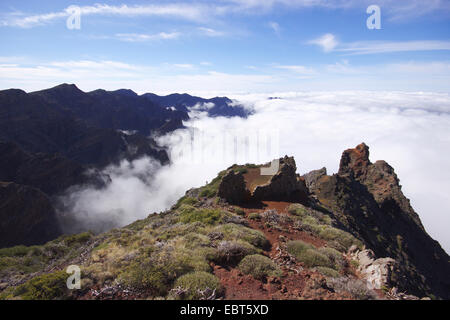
[[285, 185], [232, 188], [378, 273]]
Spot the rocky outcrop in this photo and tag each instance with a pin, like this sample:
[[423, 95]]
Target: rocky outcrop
[[312, 177], [232, 188], [379, 273], [379, 178], [285, 185], [367, 200], [26, 216]]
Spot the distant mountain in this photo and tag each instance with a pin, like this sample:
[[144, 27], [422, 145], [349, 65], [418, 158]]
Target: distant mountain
[[59, 120], [120, 110], [215, 107], [50, 138]]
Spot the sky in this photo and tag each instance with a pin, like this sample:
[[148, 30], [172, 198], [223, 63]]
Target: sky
[[226, 46]]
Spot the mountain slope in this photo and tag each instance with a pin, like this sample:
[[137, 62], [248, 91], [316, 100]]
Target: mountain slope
[[302, 237], [26, 216]]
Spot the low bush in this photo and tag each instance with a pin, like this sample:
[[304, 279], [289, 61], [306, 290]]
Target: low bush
[[50, 286], [308, 254], [239, 232], [259, 267], [239, 211], [186, 200], [357, 288], [232, 252], [297, 247], [328, 272], [297, 209], [344, 239], [334, 256], [254, 216], [196, 283], [190, 214]]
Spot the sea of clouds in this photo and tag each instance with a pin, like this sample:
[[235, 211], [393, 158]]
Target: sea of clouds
[[411, 131]]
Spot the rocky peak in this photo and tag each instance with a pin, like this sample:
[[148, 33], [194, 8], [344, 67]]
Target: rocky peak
[[355, 161]]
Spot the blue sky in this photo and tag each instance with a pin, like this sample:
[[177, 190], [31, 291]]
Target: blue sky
[[227, 45]]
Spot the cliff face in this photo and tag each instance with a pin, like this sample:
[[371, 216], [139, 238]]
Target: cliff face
[[26, 216], [367, 199]]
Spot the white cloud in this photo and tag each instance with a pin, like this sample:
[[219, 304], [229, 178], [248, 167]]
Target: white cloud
[[373, 47], [211, 32], [408, 130], [298, 69], [327, 42], [169, 10], [275, 27], [204, 10], [193, 78], [138, 37]]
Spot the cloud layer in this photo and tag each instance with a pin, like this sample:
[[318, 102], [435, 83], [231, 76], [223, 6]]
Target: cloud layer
[[201, 10], [408, 130]]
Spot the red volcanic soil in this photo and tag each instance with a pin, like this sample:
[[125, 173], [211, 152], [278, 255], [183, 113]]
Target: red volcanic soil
[[296, 282]]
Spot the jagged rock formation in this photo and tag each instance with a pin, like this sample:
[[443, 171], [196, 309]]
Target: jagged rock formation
[[284, 185], [367, 199], [232, 188], [26, 216]]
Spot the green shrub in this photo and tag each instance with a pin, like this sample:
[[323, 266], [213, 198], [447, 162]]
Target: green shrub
[[259, 267], [77, 239], [307, 254], [241, 170], [334, 256], [155, 274], [186, 200], [195, 240], [344, 239], [232, 252], [328, 272], [211, 189], [254, 216], [17, 251], [238, 232], [197, 282], [297, 247], [313, 258], [239, 211], [190, 214], [297, 209], [45, 287]]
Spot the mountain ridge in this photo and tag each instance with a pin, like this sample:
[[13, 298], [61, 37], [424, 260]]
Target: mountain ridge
[[304, 237]]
